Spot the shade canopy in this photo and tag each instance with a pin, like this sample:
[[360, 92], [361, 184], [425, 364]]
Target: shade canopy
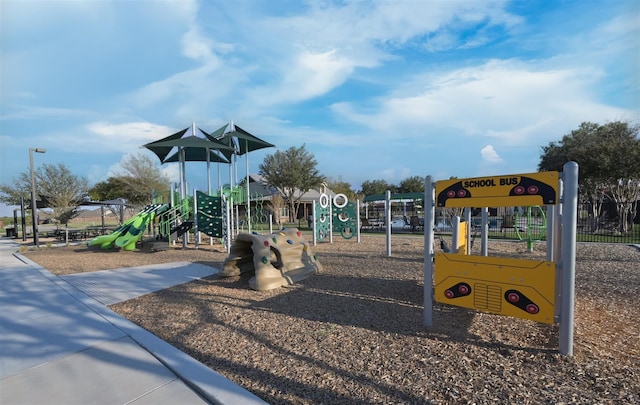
[[240, 142], [162, 148], [197, 155], [188, 148], [238, 139], [163, 151]]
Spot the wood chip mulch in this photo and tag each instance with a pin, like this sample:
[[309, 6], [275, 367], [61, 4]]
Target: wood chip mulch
[[354, 334]]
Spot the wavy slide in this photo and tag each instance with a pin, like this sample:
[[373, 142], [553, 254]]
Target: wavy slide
[[129, 233]]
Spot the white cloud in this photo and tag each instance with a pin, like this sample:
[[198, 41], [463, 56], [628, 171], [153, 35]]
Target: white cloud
[[490, 155], [101, 138], [516, 102]]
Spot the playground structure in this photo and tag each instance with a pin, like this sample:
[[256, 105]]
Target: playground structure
[[279, 259], [199, 213], [336, 214], [130, 232], [530, 226], [541, 291]]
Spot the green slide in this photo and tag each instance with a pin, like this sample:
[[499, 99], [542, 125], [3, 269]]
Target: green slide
[[127, 234], [134, 233]]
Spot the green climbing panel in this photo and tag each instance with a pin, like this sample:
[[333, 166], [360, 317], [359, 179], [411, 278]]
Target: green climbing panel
[[211, 215]]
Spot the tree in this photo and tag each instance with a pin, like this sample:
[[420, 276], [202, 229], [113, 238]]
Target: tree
[[276, 205], [110, 189], [293, 173], [339, 186], [63, 190], [375, 187], [20, 189], [609, 160], [413, 184], [141, 178]]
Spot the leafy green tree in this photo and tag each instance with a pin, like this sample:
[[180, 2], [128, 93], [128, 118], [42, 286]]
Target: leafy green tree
[[339, 186], [375, 187], [62, 190], [11, 194], [140, 179], [609, 159], [292, 172], [413, 184], [110, 189]]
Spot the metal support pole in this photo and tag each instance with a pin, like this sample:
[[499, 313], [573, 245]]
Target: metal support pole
[[568, 261], [23, 220], [358, 219], [34, 206], [314, 229], [467, 218], [550, 233], [330, 219], [196, 231], [387, 207], [484, 246], [429, 222], [455, 234]]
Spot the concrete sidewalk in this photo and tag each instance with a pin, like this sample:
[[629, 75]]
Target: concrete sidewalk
[[60, 344]]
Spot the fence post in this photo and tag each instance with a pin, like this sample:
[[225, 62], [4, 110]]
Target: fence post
[[429, 222], [569, 223]]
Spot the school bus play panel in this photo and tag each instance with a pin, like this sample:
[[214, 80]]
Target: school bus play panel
[[513, 287], [512, 190]]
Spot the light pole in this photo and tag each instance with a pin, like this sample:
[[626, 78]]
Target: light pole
[[34, 208]]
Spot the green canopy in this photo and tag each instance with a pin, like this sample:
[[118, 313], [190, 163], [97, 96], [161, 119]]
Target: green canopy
[[197, 155], [238, 139], [187, 142], [239, 142], [186, 146]]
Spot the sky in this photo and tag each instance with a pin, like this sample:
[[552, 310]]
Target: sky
[[376, 89]]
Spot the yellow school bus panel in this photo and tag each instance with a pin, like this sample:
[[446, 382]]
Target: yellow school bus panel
[[510, 190], [462, 238], [513, 287]]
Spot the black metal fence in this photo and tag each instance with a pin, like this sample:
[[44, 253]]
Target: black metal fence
[[602, 223]]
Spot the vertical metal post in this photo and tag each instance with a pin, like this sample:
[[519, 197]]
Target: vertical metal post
[[387, 207], [569, 223], [358, 220], [227, 206], [23, 220], [183, 193], [467, 237], [550, 233], [429, 222], [270, 224], [484, 246], [196, 231], [246, 145], [330, 219], [34, 205], [455, 234], [313, 210]]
